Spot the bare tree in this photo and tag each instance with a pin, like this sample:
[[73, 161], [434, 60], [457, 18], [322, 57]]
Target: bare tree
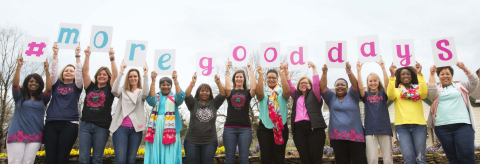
[[11, 42]]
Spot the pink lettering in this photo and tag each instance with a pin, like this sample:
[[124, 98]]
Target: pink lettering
[[372, 49], [300, 57], [449, 53], [406, 58], [274, 54], [339, 50], [235, 56], [208, 68]]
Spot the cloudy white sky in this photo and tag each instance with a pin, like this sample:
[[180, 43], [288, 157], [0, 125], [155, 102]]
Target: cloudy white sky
[[199, 26]]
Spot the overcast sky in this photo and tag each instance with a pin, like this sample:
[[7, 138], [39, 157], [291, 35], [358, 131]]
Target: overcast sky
[[193, 26]]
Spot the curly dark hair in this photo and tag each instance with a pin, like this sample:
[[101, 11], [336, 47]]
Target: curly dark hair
[[440, 69], [38, 93], [204, 86], [413, 73]]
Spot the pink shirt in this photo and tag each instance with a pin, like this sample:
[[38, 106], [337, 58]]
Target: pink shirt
[[302, 114], [126, 121]]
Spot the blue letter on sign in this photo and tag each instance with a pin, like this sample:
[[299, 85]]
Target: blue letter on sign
[[69, 33], [161, 61], [105, 39], [132, 50]]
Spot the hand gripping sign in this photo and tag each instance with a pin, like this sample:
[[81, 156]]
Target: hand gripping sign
[[239, 55], [444, 52], [164, 61], [403, 52], [297, 58], [368, 49], [205, 64], [69, 35], [270, 54], [336, 54], [34, 49], [101, 38], [135, 53]]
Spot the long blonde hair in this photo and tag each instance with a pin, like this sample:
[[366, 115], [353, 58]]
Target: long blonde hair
[[380, 85], [63, 70], [127, 86], [302, 78]]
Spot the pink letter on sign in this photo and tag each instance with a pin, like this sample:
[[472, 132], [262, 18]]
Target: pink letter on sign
[[406, 58], [207, 69], [449, 53], [300, 57], [339, 50], [235, 56], [274, 54], [372, 49]]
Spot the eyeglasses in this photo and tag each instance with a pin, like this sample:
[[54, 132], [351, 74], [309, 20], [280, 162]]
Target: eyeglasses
[[271, 78], [304, 83]]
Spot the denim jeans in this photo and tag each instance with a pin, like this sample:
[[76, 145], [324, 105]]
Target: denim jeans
[[458, 142], [91, 135], [412, 139], [232, 136], [200, 154], [59, 137], [125, 144]]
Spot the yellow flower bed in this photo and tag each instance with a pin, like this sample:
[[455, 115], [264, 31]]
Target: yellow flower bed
[[3, 155]]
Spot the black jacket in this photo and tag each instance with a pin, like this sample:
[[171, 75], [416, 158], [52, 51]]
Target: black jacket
[[314, 110]]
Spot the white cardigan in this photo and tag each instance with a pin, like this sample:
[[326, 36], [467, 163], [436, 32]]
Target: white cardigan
[[128, 107]]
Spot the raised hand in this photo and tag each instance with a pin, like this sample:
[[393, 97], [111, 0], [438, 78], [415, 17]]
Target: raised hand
[[78, 49], [229, 64], [217, 79], [325, 68], [123, 66], [55, 48], [348, 67], [154, 76], [249, 64], [111, 53], [433, 70], [462, 66], [392, 69], [174, 76], [45, 65], [285, 68], [145, 69], [311, 65], [418, 66], [359, 65], [381, 63], [20, 61], [281, 68], [259, 70], [194, 78], [87, 52]]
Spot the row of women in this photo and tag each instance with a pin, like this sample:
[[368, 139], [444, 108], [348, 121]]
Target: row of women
[[451, 115]]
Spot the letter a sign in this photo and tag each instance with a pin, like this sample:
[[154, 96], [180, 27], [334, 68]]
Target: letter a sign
[[444, 52]]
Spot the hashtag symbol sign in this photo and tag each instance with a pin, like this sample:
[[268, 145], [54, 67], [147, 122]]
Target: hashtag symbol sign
[[32, 47]]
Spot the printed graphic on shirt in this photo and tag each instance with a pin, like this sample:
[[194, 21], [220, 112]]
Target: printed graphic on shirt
[[238, 101], [95, 100], [204, 114], [64, 90], [374, 98]]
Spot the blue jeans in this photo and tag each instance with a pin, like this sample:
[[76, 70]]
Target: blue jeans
[[200, 154], [91, 135], [232, 136], [125, 144], [458, 142], [412, 139]]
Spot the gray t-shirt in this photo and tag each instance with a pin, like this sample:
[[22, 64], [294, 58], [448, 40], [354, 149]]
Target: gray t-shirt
[[202, 127]]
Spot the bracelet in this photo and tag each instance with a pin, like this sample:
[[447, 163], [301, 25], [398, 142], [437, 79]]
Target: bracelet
[[77, 56], [47, 74], [193, 85], [349, 72], [227, 72], [175, 82], [112, 59]]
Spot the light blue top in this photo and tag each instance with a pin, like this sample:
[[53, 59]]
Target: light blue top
[[282, 103], [451, 108], [179, 98]]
